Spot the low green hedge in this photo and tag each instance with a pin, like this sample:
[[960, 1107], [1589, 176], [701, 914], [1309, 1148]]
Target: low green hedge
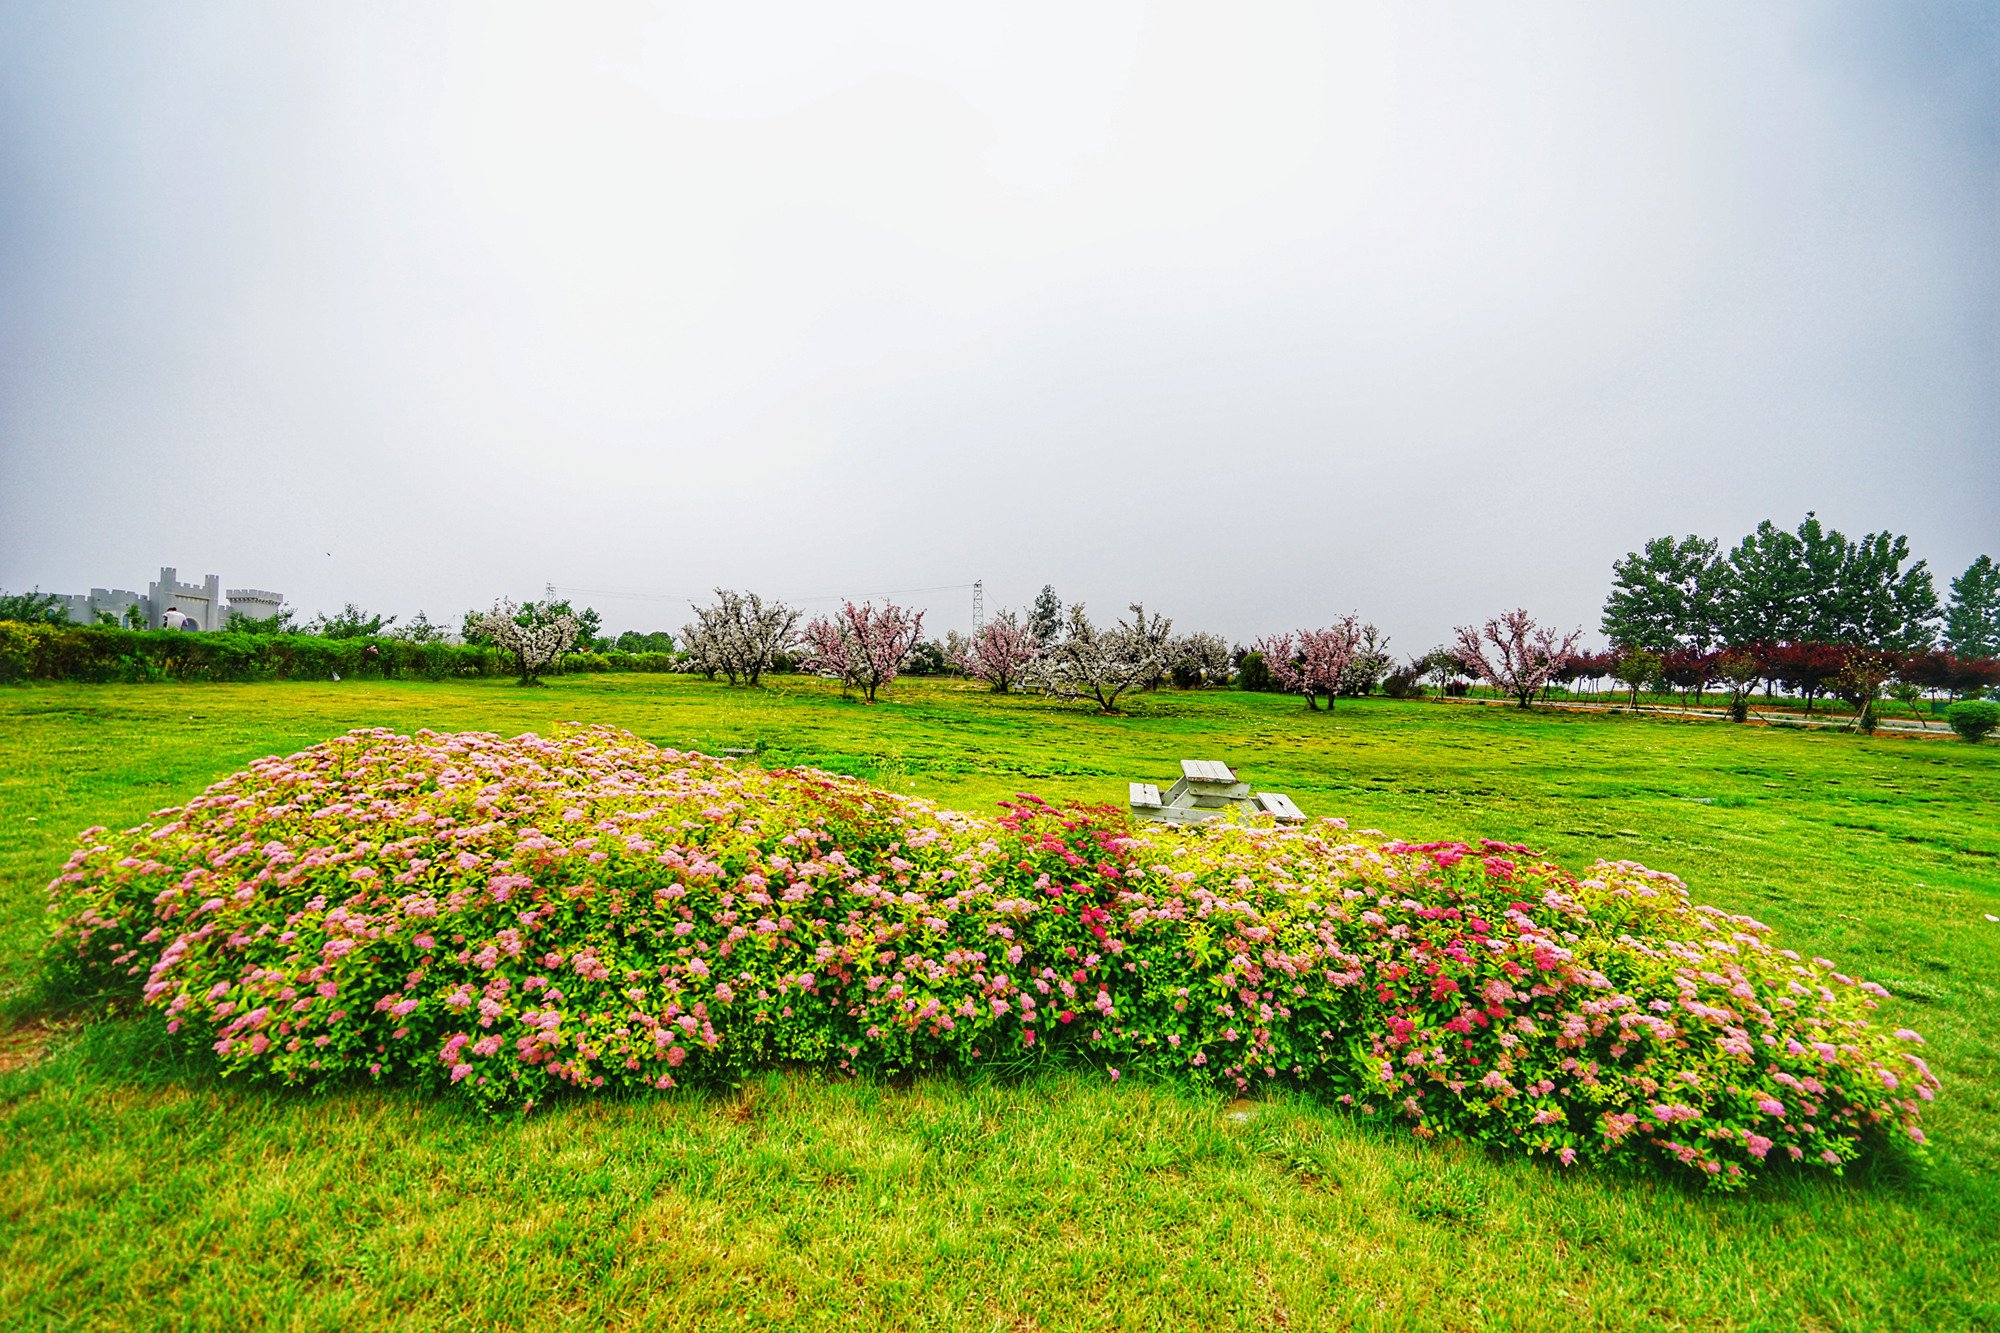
[[99, 654]]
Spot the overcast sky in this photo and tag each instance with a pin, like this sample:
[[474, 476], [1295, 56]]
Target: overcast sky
[[1258, 313]]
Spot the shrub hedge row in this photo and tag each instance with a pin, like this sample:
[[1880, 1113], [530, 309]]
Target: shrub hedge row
[[99, 654]]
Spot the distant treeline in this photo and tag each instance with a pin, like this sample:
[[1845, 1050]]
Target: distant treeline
[[1811, 585], [101, 653]]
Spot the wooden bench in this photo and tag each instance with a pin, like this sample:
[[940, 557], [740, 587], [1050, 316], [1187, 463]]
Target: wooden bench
[[1145, 796], [1280, 807]]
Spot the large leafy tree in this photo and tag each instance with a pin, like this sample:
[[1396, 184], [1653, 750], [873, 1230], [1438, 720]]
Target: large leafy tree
[[35, 608], [1972, 624], [1814, 585], [1666, 596], [1880, 600], [1825, 553], [350, 622], [1765, 587]]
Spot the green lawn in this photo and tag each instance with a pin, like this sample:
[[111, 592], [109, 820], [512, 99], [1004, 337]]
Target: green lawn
[[137, 1190]]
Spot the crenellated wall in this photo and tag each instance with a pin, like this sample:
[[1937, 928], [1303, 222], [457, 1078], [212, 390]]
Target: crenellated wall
[[204, 602]]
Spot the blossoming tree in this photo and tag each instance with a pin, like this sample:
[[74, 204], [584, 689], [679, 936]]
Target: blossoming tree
[[1369, 663], [1515, 655], [1201, 659], [534, 640], [738, 635], [1000, 652], [1101, 664], [1313, 662], [862, 646]]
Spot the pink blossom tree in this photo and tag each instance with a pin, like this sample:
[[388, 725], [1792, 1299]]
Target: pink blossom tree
[[1313, 662], [1001, 652], [862, 646], [1515, 655]]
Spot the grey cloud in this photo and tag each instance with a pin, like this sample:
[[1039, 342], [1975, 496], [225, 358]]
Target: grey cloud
[[1417, 310]]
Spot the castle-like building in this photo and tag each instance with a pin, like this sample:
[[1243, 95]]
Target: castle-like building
[[203, 602]]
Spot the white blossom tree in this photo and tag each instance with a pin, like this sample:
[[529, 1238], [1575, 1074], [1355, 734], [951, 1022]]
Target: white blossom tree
[[862, 646], [1201, 659], [536, 641], [738, 635], [1515, 655], [1371, 661], [1099, 665], [1000, 652]]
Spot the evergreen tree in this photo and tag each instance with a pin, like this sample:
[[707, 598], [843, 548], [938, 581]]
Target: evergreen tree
[[1046, 618], [1765, 587], [1666, 596], [1972, 625]]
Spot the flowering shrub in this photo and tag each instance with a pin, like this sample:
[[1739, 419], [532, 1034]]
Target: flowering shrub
[[509, 918]]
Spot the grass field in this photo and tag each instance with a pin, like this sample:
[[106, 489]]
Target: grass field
[[138, 1190]]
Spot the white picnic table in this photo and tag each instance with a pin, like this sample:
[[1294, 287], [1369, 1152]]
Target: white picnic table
[[1208, 789]]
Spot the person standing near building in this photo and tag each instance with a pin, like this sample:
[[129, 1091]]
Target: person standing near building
[[173, 619]]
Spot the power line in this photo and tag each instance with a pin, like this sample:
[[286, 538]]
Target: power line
[[793, 597]]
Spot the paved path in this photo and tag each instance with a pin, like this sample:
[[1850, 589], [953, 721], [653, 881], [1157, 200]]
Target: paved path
[[1900, 726]]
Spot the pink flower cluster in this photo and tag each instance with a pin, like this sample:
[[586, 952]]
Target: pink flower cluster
[[511, 918]]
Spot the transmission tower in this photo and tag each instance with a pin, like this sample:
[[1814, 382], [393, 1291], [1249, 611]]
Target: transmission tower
[[978, 605]]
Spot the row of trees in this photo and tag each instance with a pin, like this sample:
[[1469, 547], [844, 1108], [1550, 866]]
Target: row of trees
[[1060, 652], [741, 637], [1809, 585]]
